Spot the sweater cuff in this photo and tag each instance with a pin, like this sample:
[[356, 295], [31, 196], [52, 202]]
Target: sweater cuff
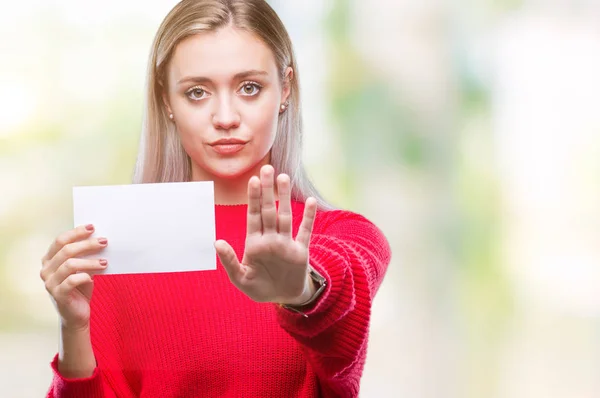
[[336, 300], [76, 387]]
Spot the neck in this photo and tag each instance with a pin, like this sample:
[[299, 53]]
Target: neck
[[230, 191]]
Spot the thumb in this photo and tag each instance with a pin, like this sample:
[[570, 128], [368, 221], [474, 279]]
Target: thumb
[[229, 260]]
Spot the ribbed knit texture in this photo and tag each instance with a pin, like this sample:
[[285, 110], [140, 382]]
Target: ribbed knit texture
[[193, 334]]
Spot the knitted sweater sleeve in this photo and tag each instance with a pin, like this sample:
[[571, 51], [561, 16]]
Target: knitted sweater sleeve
[[353, 255], [89, 387]]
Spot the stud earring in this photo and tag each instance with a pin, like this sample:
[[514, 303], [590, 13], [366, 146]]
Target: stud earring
[[171, 116], [284, 106]]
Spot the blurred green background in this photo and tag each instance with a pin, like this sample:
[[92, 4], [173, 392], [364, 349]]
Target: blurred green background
[[467, 130]]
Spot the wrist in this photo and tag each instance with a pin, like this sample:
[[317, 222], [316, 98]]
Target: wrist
[[309, 290], [67, 330], [76, 356], [318, 282]]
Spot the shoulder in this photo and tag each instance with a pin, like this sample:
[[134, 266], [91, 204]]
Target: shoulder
[[337, 221], [344, 231]]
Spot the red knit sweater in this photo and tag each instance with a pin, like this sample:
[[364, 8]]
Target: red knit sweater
[[193, 334]]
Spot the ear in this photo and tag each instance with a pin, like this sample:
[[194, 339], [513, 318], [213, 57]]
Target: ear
[[165, 99], [287, 84]]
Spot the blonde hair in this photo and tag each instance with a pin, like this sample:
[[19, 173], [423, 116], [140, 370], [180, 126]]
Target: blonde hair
[[161, 157]]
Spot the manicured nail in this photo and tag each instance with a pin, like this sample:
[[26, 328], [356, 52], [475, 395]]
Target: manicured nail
[[103, 262], [89, 227], [102, 241]]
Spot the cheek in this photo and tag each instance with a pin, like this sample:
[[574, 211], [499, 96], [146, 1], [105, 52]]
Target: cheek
[[192, 122], [263, 124]]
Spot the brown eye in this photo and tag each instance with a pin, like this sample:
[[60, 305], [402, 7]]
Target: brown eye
[[250, 89], [196, 93]]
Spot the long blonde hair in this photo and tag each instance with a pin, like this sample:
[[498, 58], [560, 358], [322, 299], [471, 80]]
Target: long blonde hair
[[161, 157]]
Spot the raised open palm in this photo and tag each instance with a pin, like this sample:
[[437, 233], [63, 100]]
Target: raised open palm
[[274, 267]]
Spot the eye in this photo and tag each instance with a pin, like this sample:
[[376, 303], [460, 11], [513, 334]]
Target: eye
[[250, 89], [196, 93]]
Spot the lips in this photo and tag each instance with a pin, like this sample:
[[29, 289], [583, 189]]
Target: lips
[[228, 141], [228, 146]]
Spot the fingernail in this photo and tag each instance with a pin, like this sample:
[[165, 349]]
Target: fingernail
[[103, 262], [102, 241], [89, 227]]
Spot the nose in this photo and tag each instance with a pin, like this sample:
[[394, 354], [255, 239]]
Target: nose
[[225, 116]]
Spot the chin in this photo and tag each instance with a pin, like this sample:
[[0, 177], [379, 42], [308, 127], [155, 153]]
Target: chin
[[240, 165], [230, 171]]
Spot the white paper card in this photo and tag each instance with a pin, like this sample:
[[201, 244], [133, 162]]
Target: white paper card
[[166, 227]]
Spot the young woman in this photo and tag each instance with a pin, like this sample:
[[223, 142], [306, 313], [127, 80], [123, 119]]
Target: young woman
[[286, 313]]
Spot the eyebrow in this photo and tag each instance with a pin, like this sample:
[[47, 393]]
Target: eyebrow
[[238, 76]]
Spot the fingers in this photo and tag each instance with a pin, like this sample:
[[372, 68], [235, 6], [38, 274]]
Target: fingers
[[284, 219], [62, 291], [254, 219], [71, 250], [308, 219], [268, 209], [73, 266], [229, 260], [79, 233]]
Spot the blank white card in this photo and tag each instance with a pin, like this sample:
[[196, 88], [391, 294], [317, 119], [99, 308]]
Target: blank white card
[[166, 227]]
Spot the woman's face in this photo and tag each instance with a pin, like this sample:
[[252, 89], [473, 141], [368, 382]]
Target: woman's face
[[225, 94]]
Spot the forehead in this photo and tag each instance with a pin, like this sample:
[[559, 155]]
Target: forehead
[[220, 54]]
